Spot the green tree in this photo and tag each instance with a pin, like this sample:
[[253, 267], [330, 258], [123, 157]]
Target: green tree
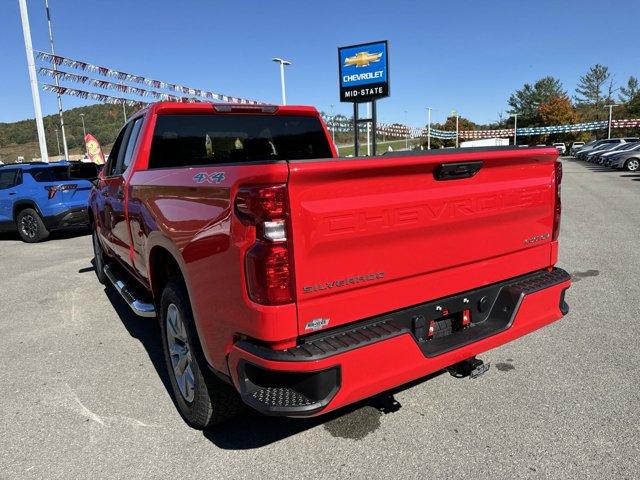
[[590, 91], [526, 101], [630, 91]]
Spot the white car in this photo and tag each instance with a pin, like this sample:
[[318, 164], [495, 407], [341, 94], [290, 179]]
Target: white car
[[561, 147], [575, 146]]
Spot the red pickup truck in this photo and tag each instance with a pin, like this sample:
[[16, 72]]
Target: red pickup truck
[[298, 282]]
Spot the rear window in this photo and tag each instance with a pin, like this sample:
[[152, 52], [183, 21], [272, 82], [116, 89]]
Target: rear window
[[84, 170], [184, 140], [76, 171], [50, 174]]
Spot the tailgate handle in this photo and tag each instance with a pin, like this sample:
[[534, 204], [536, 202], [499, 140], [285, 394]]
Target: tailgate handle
[[454, 171]]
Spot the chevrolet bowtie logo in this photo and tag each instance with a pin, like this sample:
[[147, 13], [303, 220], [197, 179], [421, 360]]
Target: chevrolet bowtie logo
[[362, 59]]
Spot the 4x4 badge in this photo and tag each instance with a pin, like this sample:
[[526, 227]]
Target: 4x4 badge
[[202, 177]]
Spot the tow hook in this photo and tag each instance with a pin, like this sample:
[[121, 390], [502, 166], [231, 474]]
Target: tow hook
[[471, 367]]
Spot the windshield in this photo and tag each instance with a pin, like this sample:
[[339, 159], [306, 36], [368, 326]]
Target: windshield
[[183, 140]]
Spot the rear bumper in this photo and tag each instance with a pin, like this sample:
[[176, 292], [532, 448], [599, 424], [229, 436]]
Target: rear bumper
[[75, 217], [341, 366]]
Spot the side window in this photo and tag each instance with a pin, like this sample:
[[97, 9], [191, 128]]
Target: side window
[[8, 178], [125, 160], [116, 150]]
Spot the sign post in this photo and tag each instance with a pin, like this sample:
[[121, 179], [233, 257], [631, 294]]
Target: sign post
[[364, 77]]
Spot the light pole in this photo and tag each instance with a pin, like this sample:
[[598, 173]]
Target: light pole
[[282, 63], [55, 77], [58, 141], [33, 80], [429, 128], [124, 111], [610, 114], [406, 121], [333, 127], [515, 129], [84, 131]]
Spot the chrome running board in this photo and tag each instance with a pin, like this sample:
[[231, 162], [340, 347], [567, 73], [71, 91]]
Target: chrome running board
[[139, 307]]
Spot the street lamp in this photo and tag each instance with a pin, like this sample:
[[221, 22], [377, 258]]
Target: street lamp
[[58, 140], [333, 120], [429, 129], [406, 121], [282, 63], [610, 113], [84, 131], [515, 129]]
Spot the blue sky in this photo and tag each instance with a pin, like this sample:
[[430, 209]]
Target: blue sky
[[467, 55]]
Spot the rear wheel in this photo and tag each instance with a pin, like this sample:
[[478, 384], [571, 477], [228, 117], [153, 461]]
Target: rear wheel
[[98, 257], [632, 165], [202, 399], [30, 226]]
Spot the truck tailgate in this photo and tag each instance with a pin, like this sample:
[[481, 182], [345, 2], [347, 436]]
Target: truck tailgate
[[374, 235]]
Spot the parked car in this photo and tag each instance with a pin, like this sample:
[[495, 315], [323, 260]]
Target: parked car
[[600, 144], [299, 282], [628, 160], [594, 155], [561, 147], [604, 157], [37, 198], [575, 146]]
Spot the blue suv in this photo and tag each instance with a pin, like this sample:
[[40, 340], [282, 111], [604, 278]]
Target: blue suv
[[37, 198]]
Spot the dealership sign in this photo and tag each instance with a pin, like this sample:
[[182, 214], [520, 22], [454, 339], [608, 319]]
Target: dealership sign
[[364, 72]]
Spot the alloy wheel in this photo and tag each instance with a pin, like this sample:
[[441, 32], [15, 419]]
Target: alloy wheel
[[180, 353], [633, 165], [29, 226]]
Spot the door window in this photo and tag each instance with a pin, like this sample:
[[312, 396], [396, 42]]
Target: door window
[[125, 160], [116, 151], [9, 178]]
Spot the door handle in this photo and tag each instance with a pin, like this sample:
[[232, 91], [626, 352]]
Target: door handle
[[454, 171], [12, 193]]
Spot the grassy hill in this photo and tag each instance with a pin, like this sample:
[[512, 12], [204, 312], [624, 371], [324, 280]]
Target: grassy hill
[[21, 138]]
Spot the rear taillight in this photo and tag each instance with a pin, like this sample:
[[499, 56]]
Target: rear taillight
[[557, 211], [268, 261], [53, 189]]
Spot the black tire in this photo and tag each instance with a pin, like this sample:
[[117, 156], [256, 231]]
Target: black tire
[[98, 257], [632, 165], [30, 226], [213, 401]]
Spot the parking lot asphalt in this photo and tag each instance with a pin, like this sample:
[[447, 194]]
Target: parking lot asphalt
[[84, 395]]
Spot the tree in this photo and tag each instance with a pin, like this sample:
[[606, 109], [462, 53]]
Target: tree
[[557, 111], [590, 89], [525, 102], [630, 91]]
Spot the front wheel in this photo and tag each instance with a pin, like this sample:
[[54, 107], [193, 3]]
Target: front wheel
[[632, 165], [202, 399], [31, 228]]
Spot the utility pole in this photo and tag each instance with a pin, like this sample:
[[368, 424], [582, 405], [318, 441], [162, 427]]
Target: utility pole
[[457, 130], [610, 106], [429, 129], [33, 79], [55, 77], [282, 63], [515, 129], [124, 111], [58, 141]]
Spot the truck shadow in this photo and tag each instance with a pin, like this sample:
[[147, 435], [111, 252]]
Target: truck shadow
[[251, 429]]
